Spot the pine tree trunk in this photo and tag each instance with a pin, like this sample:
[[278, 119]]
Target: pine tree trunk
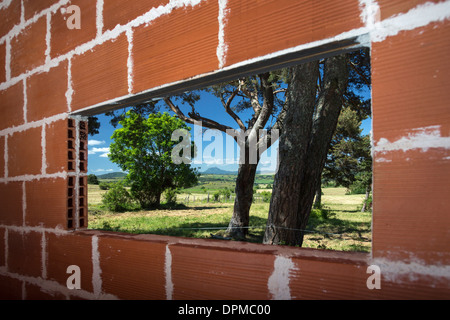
[[318, 197], [304, 142], [238, 226]]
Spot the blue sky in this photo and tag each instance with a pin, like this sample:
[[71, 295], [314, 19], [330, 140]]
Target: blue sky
[[210, 107]]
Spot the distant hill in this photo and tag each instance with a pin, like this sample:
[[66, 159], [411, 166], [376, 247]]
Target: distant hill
[[112, 175], [215, 170]]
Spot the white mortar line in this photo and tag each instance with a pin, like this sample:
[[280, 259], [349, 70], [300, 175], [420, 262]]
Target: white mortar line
[[6, 248], [76, 206], [25, 100], [44, 255], [96, 271], [24, 204], [33, 124], [278, 282], [222, 47], [69, 92], [399, 271], [99, 18], [417, 17], [8, 59], [168, 273], [130, 64], [22, 12], [44, 150], [48, 39], [30, 177], [5, 157]]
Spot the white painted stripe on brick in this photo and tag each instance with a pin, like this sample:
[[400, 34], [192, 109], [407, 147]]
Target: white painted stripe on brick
[[278, 283], [8, 59]]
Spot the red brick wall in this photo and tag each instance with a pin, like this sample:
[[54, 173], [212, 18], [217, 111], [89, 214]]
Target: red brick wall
[[48, 71]]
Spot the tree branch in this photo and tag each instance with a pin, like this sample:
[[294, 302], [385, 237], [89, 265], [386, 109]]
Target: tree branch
[[193, 116], [227, 106]]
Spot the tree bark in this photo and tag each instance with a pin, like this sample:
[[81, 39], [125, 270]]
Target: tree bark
[[318, 197], [309, 125], [238, 226]]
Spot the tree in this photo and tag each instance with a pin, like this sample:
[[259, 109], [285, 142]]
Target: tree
[[92, 179], [315, 98], [264, 95], [143, 148]]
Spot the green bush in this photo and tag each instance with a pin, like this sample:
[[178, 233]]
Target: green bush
[[92, 179], [104, 186], [117, 198], [171, 196], [266, 196]]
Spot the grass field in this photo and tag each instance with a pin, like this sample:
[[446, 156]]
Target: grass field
[[339, 225]]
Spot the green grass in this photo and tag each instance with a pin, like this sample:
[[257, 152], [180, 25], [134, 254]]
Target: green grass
[[337, 226]]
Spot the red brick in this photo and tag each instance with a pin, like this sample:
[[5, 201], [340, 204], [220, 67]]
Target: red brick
[[410, 198], [47, 203], [256, 28], [209, 273], [34, 292], [2, 62], [100, 74], [33, 7], [64, 39], [42, 102], [9, 17], [28, 48], [410, 71], [2, 157], [10, 288], [11, 106], [24, 253], [56, 136], [25, 152], [2, 247], [121, 12], [176, 46], [389, 8], [132, 269], [66, 250], [11, 203]]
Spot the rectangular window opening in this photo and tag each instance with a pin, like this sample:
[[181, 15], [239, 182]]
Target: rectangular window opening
[[217, 116]]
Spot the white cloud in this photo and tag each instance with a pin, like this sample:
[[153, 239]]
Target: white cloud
[[103, 170], [95, 142], [104, 151], [95, 150]]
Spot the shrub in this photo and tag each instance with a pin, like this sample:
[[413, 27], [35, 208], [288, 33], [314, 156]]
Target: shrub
[[92, 179], [104, 186], [171, 196], [117, 198], [266, 196]]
